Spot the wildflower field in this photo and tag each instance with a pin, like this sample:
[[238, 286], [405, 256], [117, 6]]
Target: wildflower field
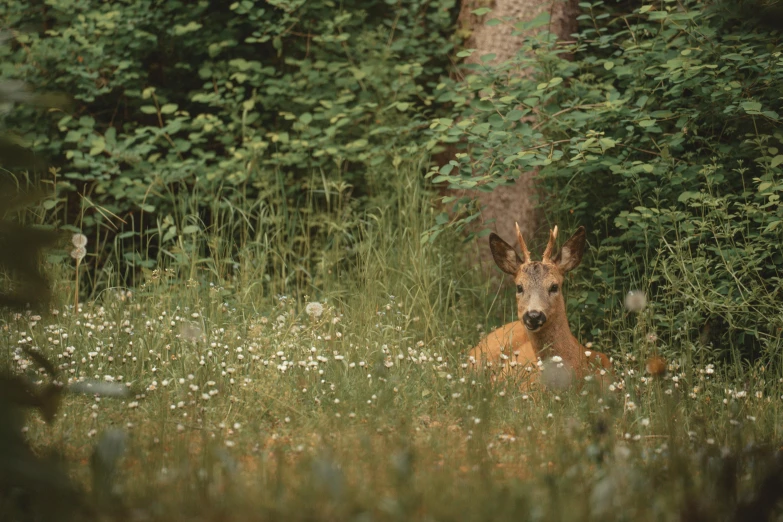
[[205, 400], [257, 226]]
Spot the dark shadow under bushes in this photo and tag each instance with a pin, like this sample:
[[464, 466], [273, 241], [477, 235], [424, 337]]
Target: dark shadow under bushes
[[31, 487]]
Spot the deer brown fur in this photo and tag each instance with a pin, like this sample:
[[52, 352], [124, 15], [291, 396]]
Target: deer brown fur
[[541, 331]]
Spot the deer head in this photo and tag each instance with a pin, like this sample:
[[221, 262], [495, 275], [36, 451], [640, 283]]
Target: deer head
[[540, 301]]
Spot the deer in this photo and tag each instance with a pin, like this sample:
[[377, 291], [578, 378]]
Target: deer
[[542, 332]]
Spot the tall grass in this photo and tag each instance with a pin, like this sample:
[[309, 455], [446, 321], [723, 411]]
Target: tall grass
[[245, 403]]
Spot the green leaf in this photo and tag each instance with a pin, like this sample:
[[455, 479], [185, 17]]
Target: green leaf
[[170, 233], [515, 115], [539, 21], [606, 143], [446, 169], [168, 108], [777, 160], [179, 30], [751, 107], [687, 196], [149, 109], [98, 146], [481, 129], [357, 144], [772, 226], [190, 229]]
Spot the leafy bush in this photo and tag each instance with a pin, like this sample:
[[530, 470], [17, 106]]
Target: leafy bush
[[662, 136], [229, 103]]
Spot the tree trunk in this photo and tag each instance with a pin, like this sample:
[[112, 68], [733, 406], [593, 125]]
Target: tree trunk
[[511, 203]]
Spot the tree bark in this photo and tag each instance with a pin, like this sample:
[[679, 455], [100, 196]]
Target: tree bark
[[511, 203]]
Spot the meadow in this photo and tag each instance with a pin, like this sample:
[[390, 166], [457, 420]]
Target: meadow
[[225, 393], [261, 307]]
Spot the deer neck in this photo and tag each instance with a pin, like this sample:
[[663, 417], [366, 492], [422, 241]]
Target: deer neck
[[555, 338]]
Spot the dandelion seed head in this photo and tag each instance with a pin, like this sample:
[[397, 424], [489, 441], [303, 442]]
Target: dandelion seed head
[[555, 375], [314, 309], [635, 301], [79, 240], [78, 253], [190, 331]]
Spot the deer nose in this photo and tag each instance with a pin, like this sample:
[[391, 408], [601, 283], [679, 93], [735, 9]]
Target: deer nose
[[534, 319]]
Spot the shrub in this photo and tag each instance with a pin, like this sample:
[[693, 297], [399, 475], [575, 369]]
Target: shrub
[[229, 103]]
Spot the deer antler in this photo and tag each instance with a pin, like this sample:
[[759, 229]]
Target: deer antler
[[550, 247], [522, 245]]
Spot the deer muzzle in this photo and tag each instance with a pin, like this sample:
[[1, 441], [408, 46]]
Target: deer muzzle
[[533, 320]]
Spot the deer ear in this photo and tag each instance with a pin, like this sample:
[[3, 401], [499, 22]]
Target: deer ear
[[571, 254], [505, 256]]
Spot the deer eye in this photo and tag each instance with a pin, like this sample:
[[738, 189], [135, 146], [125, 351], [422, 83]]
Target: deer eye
[[520, 289], [553, 289]]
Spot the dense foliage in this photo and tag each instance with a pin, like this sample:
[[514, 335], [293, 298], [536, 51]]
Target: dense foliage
[[288, 104], [663, 136], [657, 128]]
